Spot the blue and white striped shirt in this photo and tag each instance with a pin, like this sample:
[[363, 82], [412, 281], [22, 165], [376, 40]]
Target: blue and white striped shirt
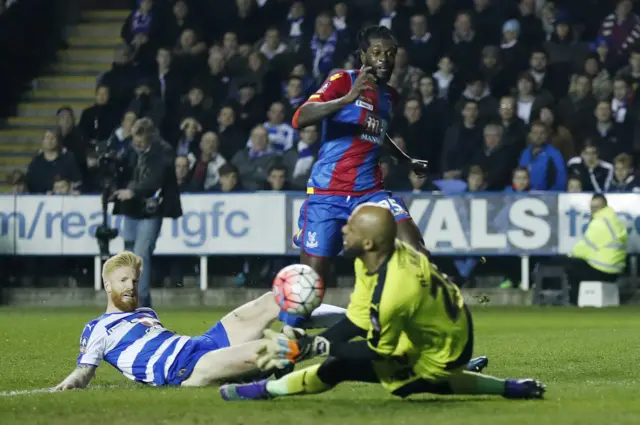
[[135, 343]]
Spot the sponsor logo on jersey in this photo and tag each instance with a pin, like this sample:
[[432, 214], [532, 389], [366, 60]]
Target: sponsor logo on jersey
[[374, 129], [311, 241], [324, 87], [365, 105]]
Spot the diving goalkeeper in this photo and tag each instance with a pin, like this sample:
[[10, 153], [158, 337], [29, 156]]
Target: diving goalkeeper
[[418, 331]]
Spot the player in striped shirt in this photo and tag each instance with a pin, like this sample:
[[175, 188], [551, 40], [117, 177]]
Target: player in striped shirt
[[134, 341]]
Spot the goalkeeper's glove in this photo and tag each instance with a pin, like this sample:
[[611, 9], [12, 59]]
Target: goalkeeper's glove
[[290, 346]]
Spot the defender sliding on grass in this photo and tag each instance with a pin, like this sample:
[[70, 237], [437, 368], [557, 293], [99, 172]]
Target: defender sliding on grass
[[135, 342], [418, 331]]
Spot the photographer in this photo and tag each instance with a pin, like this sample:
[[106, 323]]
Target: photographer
[[151, 194]]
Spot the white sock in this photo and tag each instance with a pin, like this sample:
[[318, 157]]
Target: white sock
[[326, 315]]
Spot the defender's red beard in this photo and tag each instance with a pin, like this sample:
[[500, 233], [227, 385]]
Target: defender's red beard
[[126, 301]]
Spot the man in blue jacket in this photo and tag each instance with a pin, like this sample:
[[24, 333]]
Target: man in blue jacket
[[547, 170]]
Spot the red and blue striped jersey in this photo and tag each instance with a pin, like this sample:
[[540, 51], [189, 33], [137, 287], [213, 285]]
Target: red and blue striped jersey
[[351, 138]]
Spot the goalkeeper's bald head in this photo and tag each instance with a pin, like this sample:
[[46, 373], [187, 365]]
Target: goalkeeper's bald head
[[370, 228]]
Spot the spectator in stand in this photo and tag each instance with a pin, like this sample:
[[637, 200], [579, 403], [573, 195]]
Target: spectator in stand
[[299, 159], [520, 181], [272, 44], [514, 130], [464, 46], [61, 186], [206, 166], [554, 81], [547, 14], [530, 102], [487, 18], [188, 143], [625, 114], [121, 79], [559, 135], [532, 32], [70, 136], [254, 162], [447, 81], [142, 31], [609, 137], [439, 14], [414, 127], [325, 49], [181, 19], [497, 159], [394, 18], [631, 73], [594, 174], [229, 180], [52, 161], [601, 84], [197, 107], [216, 79], [624, 179], [294, 96], [478, 91], [281, 135], [492, 71], [190, 54], [423, 48], [232, 137], [296, 25], [343, 22], [183, 176], [463, 136], [250, 106], [98, 121], [255, 70], [18, 181], [475, 179], [146, 104], [277, 178], [436, 114], [168, 83], [577, 107], [120, 139], [574, 185], [547, 169], [404, 73], [563, 47], [514, 54], [622, 30]]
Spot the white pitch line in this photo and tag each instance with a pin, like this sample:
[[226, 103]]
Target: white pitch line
[[48, 390]]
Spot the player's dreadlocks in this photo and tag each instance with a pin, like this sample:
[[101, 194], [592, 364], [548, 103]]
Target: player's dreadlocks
[[367, 34]]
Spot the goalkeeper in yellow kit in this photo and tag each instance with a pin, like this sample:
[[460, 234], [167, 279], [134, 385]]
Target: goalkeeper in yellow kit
[[418, 331]]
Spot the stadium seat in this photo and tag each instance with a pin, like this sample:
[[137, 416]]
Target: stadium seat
[[598, 294]]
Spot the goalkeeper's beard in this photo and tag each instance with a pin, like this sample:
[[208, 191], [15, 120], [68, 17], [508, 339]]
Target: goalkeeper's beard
[[353, 251]]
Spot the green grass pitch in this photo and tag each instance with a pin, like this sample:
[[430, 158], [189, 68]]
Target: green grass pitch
[[589, 360]]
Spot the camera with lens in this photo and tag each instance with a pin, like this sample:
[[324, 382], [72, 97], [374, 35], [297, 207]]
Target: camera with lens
[[111, 172]]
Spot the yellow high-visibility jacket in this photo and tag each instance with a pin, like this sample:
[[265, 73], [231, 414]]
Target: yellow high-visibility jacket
[[604, 245]]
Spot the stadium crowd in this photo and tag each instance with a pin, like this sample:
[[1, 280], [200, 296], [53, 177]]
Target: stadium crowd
[[545, 88]]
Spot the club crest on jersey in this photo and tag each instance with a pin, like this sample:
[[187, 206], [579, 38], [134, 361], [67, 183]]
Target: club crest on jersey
[[365, 105], [311, 242]]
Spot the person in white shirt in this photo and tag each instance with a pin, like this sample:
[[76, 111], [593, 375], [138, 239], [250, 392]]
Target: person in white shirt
[[135, 342]]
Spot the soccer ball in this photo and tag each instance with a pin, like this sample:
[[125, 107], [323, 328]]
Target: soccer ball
[[298, 289]]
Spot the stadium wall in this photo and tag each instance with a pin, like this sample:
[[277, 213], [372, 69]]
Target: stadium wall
[[175, 298], [263, 224]]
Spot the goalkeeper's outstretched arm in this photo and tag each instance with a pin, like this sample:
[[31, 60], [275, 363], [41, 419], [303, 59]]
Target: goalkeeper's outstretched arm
[[79, 378]]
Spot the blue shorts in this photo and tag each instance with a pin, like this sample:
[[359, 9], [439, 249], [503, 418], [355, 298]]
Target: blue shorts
[[322, 217], [213, 339]]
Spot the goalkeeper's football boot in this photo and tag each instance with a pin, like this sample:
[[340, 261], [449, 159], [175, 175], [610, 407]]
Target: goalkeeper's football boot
[[252, 391], [478, 364], [523, 389]]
